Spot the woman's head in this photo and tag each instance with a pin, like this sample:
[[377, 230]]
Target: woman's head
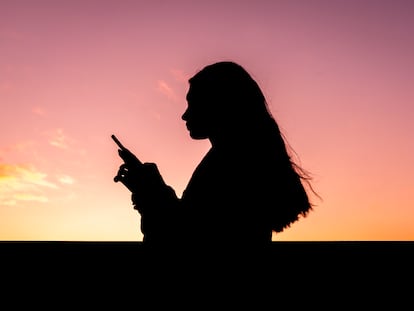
[[223, 97], [225, 101]]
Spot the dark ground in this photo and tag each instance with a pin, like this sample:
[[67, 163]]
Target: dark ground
[[351, 273], [369, 255]]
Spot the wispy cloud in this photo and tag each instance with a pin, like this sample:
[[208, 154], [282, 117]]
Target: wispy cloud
[[66, 179], [59, 139], [23, 183], [23, 175], [166, 89], [30, 197], [178, 79]]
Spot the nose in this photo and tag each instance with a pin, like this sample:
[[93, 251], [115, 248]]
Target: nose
[[184, 116]]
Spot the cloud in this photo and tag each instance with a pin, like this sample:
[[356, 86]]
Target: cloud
[[59, 139], [30, 197], [179, 80], [23, 175], [23, 183], [66, 179], [166, 89]]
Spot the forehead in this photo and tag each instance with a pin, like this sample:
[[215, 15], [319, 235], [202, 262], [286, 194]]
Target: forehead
[[189, 93], [193, 93]]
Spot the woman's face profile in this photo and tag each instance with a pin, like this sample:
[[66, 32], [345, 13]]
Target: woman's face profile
[[197, 115]]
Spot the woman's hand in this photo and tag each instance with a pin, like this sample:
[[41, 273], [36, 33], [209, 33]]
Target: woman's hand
[[128, 175], [142, 179], [128, 172]]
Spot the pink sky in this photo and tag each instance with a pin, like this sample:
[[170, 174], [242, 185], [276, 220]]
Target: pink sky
[[338, 76]]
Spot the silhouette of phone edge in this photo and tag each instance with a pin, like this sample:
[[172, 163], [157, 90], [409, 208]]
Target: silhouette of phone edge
[[116, 140]]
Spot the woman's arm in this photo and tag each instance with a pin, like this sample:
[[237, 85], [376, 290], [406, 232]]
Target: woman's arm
[[155, 201], [159, 211]]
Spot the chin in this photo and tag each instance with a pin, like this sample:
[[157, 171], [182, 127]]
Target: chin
[[197, 136]]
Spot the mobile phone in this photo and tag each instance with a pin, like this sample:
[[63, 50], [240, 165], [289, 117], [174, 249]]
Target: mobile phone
[[126, 155], [116, 140], [129, 158], [121, 146]]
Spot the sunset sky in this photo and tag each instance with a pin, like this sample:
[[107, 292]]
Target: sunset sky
[[338, 77]]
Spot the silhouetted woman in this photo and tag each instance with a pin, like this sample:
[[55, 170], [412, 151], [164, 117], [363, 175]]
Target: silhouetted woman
[[245, 187]]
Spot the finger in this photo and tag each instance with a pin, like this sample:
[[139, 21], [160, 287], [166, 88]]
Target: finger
[[123, 166], [119, 177], [123, 169], [129, 157]]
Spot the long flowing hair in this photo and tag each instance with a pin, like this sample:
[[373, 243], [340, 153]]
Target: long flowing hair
[[238, 96]]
